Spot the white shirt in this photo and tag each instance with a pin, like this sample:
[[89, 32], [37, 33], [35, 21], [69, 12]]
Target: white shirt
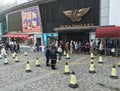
[[113, 50], [59, 49], [101, 46], [3, 52]]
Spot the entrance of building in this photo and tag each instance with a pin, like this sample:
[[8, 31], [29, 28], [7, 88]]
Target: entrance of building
[[38, 41], [74, 36], [80, 33]]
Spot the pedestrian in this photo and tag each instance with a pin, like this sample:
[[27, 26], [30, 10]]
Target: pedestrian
[[7, 48], [53, 56], [101, 49], [71, 47], [87, 47], [18, 48], [113, 51], [60, 53], [62, 46], [3, 53], [67, 47], [37, 47], [76, 47], [14, 47], [47, 55]]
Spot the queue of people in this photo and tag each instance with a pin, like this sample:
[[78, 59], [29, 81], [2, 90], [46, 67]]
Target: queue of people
[[55, 50]]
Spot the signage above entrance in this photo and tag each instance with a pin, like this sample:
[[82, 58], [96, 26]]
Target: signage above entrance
[[77, 25], [76, 15]]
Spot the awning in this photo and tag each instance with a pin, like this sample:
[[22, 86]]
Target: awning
[[17, 35], [107, 32]]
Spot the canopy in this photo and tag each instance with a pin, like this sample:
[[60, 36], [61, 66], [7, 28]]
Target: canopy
[[17, 35], [108, 32]]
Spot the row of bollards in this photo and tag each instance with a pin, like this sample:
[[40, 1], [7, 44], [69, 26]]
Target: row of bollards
[[92, 67], [113, 72], [14, 55], [73, 81], [28, 68]]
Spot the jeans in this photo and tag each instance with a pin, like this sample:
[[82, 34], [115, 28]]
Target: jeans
[[3, 58]]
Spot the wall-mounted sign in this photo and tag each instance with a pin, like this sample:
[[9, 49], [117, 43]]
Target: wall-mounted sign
[[77, 25], [76, 15], [30, 20]]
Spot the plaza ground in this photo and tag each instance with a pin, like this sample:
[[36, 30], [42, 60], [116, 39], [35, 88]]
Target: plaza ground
[[14, 78]]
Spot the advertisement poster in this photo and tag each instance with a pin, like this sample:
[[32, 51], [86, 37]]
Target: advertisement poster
[[30, 20]]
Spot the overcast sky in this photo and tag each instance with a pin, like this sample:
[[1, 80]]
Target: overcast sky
[[8, 1], [114, 12]]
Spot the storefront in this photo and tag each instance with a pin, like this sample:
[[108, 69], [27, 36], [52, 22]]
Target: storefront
[[26, 26], [111, 38], [49, 38], [23, 39]]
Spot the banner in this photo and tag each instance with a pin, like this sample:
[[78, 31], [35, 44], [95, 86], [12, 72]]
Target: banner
[[30, 20]]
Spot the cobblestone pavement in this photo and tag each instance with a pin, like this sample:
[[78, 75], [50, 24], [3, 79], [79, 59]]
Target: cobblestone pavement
[[14, 78]]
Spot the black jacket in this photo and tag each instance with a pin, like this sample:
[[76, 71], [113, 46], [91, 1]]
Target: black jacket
[[53, 55], [47, 53]]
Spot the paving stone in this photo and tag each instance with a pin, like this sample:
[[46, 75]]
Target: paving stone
[[14, 78]]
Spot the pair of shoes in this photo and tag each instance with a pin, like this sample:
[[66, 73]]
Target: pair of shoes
[[54, 68], [47, 64]]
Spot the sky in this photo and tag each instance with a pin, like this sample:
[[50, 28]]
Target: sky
[[114, 12], [7, 1]]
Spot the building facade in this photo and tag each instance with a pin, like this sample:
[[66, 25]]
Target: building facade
[[55, 22], [64, 19]]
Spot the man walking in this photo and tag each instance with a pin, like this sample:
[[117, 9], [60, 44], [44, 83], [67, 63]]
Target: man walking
[[3, 53]]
